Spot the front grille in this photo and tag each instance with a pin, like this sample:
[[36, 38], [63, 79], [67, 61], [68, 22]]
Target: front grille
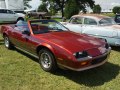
[[98, 60]]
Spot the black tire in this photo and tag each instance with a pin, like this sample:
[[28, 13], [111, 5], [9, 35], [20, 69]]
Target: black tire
[[40, 17], [47, 60], [7, 42], [22, 19]]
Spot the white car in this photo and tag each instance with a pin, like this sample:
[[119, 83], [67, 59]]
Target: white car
[[95, 25], [10, 16]]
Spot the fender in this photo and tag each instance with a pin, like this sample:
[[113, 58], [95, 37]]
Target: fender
[[46, 46]]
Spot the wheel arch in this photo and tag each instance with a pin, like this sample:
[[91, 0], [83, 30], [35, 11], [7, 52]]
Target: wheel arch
[[20, 18], [41, 16], [5, 34], [46, 46]]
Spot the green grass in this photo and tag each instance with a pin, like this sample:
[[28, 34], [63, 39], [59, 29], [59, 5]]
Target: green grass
[[58, 19], [19, 71], [109, 14]]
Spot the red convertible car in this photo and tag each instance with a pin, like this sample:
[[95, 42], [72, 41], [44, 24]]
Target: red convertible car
[[55, 46]]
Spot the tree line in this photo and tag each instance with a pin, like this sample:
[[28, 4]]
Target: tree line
[[69, 7]]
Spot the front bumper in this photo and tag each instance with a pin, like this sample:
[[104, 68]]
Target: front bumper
[[113, 41], [92, 62]]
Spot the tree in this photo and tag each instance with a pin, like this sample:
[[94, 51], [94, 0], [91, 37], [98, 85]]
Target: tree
[[43, 8], [97, 9], [71, 8], [52, 9], [60, 4], [116, 10], [26, 4]]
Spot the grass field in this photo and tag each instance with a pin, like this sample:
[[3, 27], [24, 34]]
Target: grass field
[[19, 71]]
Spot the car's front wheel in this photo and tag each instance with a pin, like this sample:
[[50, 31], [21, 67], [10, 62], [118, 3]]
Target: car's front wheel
[[47, 60], [7, 42], [40, 17]]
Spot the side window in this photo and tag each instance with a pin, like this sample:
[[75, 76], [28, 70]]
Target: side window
[[89, 21], [3, 11], [71, 20], [21, 28], [10, 12], [21, 25], [77, 20]]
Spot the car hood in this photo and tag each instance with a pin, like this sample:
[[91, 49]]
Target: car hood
[[72, 41]]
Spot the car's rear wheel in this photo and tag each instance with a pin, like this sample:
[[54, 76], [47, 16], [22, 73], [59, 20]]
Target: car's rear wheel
[[20, 19], [47, 60], [7, 42]]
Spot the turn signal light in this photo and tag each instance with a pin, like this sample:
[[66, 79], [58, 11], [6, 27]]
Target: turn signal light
[[83, 63]]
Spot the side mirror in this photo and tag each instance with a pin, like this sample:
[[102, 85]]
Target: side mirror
[[26, 32]]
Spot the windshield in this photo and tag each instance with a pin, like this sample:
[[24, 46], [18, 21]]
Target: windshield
[[107, 21], [47, 26]]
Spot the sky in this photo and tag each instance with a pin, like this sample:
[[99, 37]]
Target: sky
[[35, 4], [104, 3], [108, 4]]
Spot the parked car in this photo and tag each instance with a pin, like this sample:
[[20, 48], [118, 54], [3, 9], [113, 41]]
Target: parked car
[[95, 25], [10, 16], [117, 18], [39, 15], [55, 46]]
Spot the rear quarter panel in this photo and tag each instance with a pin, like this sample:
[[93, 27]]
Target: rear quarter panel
[[97, 31], [5, 29]]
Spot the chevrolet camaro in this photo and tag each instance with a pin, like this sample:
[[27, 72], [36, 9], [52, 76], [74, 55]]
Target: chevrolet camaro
[[55, 46]]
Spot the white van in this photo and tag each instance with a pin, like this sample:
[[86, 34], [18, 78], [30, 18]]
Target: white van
[[10, 16]]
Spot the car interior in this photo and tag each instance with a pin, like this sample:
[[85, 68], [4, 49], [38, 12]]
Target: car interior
[[39, 29]]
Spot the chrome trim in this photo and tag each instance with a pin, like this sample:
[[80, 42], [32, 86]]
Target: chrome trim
[[89, 67], [27, 52], [6, 41], [99, 36], [45, 60]]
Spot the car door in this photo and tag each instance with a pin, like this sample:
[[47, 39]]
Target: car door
[[75, 24], [90, 27], [24, 41], [18, 38], [3, 15], [93, 28], [11, 15]]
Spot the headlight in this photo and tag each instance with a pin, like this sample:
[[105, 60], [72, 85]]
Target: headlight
[[81, 54], [103, 49]]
